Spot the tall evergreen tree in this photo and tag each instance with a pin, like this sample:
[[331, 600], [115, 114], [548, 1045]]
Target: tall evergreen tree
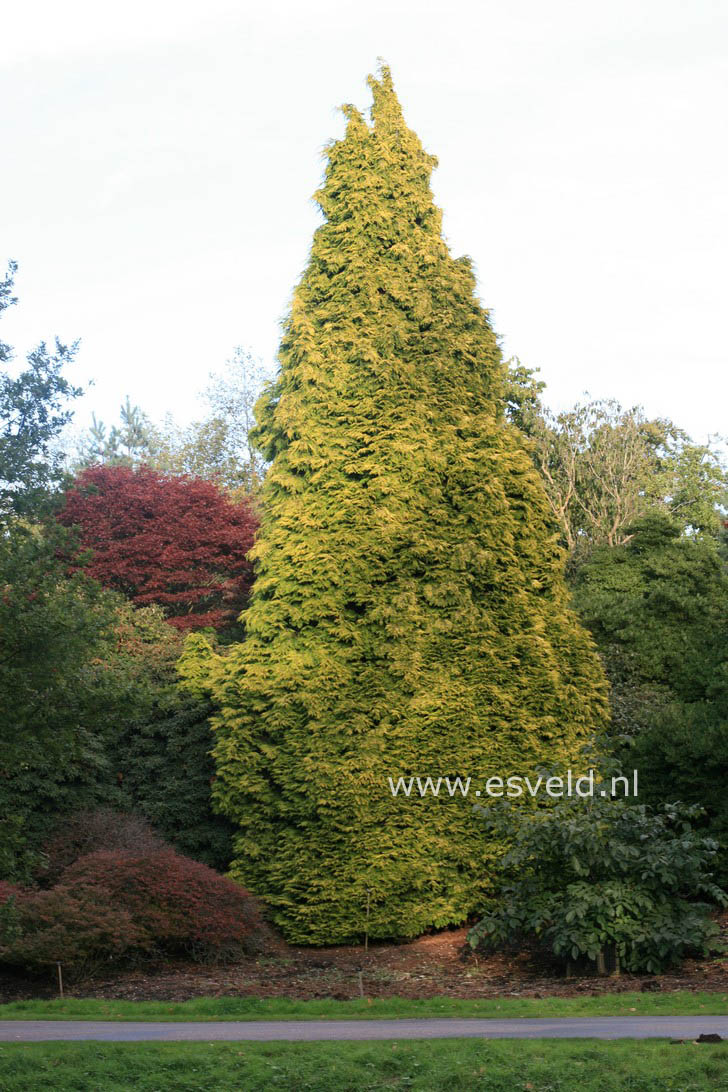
[[409, 614]]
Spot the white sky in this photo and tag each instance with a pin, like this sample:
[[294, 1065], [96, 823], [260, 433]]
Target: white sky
[[158, 160]]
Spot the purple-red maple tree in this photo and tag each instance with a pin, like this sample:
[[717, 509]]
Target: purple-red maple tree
[[170, 539]]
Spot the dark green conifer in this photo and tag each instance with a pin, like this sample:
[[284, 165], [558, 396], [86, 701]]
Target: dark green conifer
[[409, 613]]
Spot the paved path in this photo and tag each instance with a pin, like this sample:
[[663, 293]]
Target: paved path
[[564, 1027]]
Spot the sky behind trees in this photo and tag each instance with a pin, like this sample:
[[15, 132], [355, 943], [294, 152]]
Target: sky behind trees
[[160, 160]]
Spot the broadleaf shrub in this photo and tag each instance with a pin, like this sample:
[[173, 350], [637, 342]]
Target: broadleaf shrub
[[585, 877]]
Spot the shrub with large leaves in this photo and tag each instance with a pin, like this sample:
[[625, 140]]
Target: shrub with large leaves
[[586, 876]]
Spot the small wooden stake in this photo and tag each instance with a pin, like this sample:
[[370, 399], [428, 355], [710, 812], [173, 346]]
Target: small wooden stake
[[366, 930], [60, 980], [361, 985]]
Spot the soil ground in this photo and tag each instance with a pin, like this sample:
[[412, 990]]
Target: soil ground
[[441, 965]]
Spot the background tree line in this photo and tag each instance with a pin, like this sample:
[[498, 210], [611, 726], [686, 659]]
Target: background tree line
[[639, 506], [111, 551]]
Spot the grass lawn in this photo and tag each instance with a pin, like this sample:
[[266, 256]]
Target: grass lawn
[[534, 1065], [678, 1003]]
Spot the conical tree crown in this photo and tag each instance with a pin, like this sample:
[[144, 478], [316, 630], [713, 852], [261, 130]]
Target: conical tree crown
[[409, 615]]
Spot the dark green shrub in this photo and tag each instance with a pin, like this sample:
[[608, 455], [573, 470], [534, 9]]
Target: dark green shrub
[[586, 877], [658, 610]]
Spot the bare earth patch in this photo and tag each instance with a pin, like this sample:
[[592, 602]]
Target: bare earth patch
[[441, 965]]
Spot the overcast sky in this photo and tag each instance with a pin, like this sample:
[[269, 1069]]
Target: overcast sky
[[158, 161]]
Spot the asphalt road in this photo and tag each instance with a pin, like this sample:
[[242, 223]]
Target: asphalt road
[[565, 1027]]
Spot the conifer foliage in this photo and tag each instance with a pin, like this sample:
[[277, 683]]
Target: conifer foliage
[[409, 614]]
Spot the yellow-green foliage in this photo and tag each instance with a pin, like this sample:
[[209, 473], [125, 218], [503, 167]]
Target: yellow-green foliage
[[409, 614]]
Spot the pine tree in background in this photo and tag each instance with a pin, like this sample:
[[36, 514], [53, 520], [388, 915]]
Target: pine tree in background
[[409, 614]]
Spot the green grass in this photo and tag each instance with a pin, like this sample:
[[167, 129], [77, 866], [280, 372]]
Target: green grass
[[464, 1064], [677, 1003]]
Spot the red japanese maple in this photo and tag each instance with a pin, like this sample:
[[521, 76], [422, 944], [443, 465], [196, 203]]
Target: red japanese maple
[[169, 539]]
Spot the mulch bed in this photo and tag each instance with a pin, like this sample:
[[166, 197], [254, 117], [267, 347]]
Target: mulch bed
[[441, 965]]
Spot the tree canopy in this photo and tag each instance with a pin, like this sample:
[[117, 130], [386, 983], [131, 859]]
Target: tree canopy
[[409, 612], [34, 409], [605, 467], [658, 609], [168, 539]]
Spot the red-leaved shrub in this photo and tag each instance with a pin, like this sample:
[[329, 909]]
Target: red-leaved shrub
[[87, 832], [114, 906], [179, 905], [80, 928]]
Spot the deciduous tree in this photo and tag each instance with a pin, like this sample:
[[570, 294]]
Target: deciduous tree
[[172, 540], [658, 609], [34, 409], [604, 467]]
